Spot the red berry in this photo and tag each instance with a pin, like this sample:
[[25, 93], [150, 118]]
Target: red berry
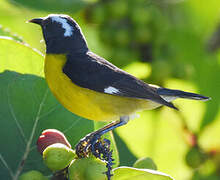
[[51, 136]]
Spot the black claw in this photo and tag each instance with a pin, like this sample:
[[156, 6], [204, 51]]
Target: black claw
[[93, 144], [86, 145]]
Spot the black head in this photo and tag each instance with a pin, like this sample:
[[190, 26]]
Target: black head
[[61, 34]]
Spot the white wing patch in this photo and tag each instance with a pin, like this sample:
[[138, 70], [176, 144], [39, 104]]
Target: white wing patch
[[67, 27], [111, 90]]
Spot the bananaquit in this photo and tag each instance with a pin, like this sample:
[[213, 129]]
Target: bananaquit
[[90, 86]]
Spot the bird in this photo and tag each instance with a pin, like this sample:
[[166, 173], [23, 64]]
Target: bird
[[90, 86]]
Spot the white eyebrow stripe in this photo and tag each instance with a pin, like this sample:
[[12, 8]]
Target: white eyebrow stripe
[[67, 27], [111, 90]]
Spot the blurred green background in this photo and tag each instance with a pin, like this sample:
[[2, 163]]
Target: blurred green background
[[172, 43]]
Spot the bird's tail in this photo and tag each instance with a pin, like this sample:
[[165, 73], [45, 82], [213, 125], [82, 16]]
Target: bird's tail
[[171, 94]]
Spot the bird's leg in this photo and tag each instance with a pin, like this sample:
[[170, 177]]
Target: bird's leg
[[87, 144], [92, 143]]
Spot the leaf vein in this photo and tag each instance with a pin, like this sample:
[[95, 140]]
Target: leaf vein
[[13, 113], [74, 122], [49, 111], [28, 146], [6, 165]]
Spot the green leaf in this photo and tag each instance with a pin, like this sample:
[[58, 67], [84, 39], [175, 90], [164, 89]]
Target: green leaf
[[129, 173], [8, 33], [145, 163], [19, 57], [27, 107]]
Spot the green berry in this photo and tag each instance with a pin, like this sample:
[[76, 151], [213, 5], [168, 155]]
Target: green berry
[[32, 175], [89, 168], [58, 156], [195, 157]]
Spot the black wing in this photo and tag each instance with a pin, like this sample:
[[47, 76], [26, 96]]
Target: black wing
[[93, 72]]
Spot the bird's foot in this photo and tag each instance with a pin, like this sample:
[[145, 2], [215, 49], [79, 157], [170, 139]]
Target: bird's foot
[[86, 145], [100, 148]]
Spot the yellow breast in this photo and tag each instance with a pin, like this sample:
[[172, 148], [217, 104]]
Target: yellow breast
[[84, 102]]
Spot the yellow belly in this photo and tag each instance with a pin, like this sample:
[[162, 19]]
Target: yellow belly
[[88, 103]]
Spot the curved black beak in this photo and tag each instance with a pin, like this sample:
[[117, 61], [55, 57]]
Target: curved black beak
[[36, 21]]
